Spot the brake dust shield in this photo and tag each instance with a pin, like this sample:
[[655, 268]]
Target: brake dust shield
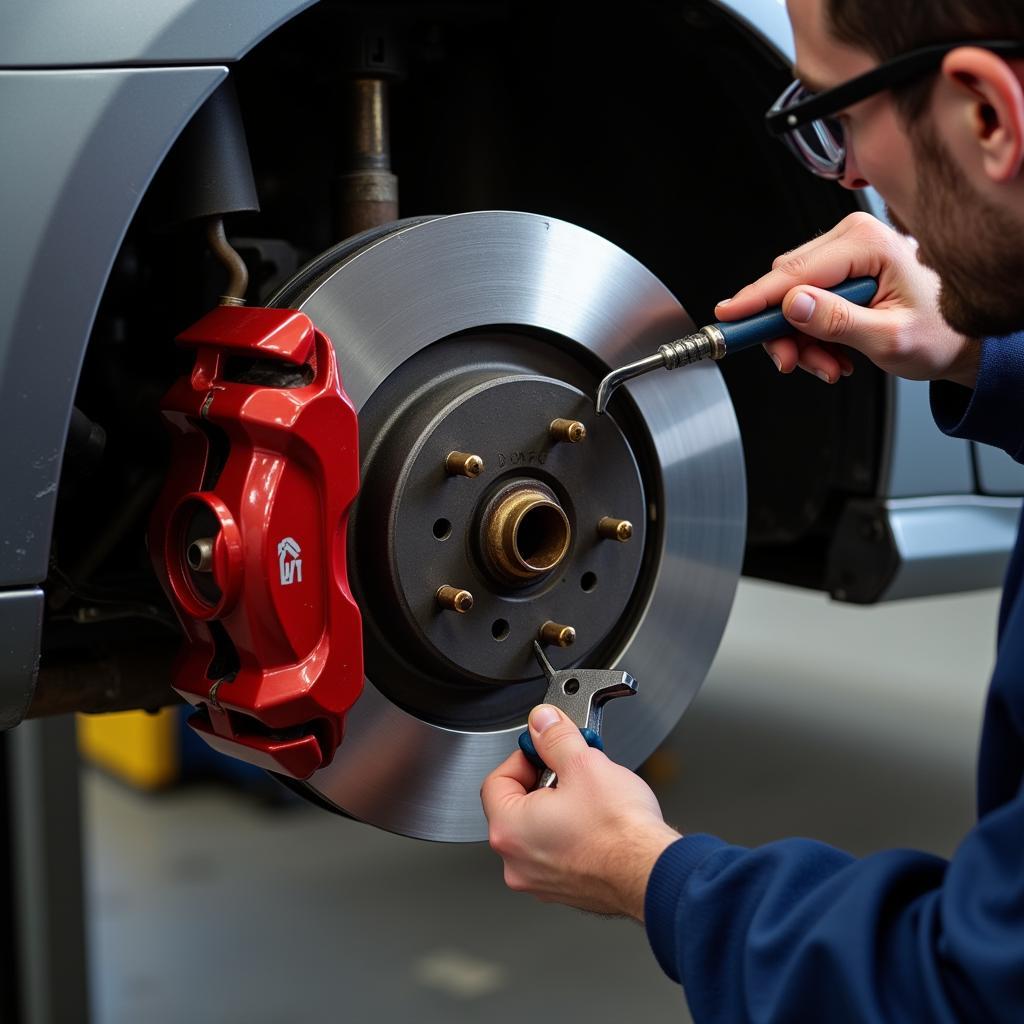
[[470, 334]]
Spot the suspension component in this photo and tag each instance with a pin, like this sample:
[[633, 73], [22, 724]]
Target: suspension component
[[248, 538], [366, 193]]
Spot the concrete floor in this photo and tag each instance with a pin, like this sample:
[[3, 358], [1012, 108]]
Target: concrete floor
[[856, 726]]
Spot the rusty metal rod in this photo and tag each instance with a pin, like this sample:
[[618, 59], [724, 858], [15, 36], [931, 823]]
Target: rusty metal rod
[[238, 272], [367, 194]]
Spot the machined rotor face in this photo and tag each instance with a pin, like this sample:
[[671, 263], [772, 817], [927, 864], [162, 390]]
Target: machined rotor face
[[496, 507]]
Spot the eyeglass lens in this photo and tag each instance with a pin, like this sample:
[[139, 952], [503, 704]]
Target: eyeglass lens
[[819, 145]]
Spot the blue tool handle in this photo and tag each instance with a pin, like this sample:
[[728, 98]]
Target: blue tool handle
[[771, 324], [526, 746]]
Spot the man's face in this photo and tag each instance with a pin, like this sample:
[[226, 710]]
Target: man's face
[[973, 245]]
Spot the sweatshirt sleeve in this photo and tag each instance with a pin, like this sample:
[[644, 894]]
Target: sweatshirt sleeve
[[799, 931], [993, 413]]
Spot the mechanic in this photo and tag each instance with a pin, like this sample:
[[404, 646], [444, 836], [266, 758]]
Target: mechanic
[[797, 930]]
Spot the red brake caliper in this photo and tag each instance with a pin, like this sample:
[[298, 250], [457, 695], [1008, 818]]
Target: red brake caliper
[[248, 538]]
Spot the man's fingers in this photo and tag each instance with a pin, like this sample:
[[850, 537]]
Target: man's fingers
[[823, 266], [785, 353], [817, 357], [557, 738], [513, 778], [516, 766], [841, 357], [827, 318], [825, 238], [814, 359]]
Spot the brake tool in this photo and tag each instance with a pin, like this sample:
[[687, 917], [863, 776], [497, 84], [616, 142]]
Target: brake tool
[[718, 340], [581, 693]]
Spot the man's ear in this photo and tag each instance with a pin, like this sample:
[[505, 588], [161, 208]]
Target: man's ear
[[993, 107]]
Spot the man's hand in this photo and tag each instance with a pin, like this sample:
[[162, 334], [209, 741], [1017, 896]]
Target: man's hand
[[591, 841], [902, 333]]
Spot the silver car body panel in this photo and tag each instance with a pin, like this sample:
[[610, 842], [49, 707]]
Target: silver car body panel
[[950, 539], [766, 19], [996, 472], [71, 33], [922, 459], [72, 182]]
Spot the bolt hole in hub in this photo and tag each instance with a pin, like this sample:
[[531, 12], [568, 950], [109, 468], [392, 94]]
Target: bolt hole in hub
[[571, 686], [442, 529], [472, 334]]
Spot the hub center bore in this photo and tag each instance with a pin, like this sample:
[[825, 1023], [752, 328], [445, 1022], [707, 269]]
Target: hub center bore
[[525, 533]]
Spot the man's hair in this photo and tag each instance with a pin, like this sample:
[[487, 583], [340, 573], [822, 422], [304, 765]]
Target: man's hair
[[887, 28]]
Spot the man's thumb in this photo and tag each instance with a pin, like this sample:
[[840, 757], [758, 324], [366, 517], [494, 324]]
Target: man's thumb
[[822, 315], [556, 737]]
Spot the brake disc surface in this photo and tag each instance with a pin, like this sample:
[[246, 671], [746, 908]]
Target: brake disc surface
[[472, 332]]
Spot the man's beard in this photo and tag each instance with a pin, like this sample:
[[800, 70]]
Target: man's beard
[[976, 249]]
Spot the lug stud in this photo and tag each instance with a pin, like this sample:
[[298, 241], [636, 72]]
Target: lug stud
[[615, 529], [454, 599], [557, 635], [199, 555], [567, 430], [463, 464]]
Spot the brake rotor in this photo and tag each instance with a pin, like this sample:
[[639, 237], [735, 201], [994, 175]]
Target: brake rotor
[[467, 335]]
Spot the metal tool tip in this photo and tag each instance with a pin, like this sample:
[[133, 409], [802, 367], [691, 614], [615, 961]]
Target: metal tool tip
[[621, 375], [542, 659]]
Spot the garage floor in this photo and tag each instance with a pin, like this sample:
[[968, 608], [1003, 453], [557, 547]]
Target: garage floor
[[854, 725]]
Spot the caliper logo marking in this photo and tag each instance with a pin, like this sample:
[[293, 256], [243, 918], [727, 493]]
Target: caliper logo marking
[[289, 562]]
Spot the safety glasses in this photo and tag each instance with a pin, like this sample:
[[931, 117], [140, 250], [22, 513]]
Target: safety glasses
[[806, 121]]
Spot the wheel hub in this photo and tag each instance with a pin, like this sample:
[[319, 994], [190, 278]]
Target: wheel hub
[[521, 536]]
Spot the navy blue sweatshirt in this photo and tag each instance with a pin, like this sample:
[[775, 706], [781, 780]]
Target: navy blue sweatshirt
[[799, 931]]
